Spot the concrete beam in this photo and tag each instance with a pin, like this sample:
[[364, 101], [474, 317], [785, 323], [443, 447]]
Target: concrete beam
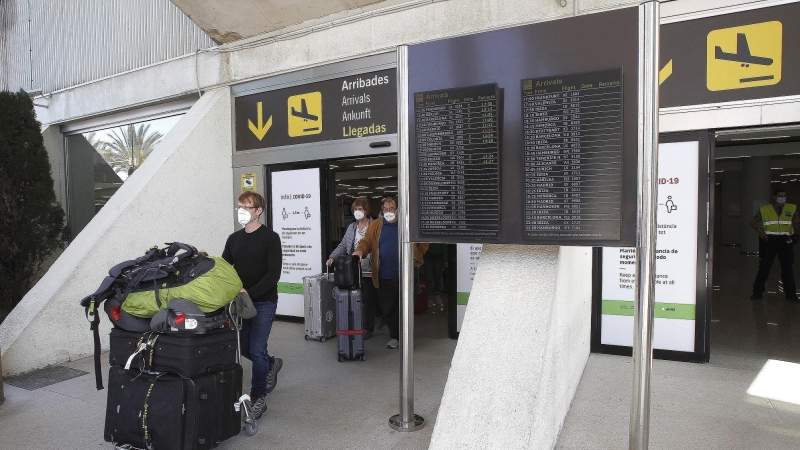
[[521, 351]]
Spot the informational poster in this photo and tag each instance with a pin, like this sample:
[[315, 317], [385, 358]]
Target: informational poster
[[296, 217], [469, 255], [676, 260]]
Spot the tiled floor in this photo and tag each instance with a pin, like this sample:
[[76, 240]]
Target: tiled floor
[[319, 403], [705, 406]]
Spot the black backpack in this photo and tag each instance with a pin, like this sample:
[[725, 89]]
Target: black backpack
[[348, 271], [168, 266]]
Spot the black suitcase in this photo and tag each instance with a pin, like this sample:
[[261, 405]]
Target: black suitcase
[[349, 325], [187, 355], [167, 412], [347, 271]]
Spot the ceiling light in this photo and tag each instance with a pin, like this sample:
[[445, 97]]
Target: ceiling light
[[380, 178], [345, 185], [370, 165]]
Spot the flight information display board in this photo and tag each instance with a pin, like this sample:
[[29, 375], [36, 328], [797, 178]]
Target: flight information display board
[[458, 162], [572, 155]]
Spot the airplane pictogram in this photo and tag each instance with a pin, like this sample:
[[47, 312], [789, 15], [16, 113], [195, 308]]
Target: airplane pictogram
[[744, 57], [305, 114]]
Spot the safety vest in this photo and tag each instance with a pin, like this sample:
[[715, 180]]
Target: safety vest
[[778, 225]]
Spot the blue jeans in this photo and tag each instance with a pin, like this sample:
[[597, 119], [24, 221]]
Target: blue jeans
[[254, 335]]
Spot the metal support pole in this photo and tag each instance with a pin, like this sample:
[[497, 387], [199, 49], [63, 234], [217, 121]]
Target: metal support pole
[[406, 420], [639, 433]]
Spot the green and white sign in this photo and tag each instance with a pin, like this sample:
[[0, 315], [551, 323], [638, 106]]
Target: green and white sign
[[469, 255], [676, 260], [296, 217]]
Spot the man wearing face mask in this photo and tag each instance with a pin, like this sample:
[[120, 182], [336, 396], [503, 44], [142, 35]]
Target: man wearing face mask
[[255, 253], [381, 241], [775, 224]]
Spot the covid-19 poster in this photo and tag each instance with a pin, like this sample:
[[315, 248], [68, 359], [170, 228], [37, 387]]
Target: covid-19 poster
[[469, 255], [296, 217], [676, 260]]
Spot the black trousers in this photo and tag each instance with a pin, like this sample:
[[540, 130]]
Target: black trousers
[[389, 295], [767, 250]]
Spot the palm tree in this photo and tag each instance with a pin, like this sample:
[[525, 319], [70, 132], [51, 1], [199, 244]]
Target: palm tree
[[129, 146]]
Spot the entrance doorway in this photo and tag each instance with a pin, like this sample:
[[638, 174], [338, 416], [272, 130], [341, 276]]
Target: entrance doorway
[[748, 165], [375, 178]]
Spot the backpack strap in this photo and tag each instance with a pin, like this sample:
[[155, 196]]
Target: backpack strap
[[94, 321]]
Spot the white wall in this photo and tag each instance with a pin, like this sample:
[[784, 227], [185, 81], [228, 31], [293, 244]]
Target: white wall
[[181, 193], [521, 351]]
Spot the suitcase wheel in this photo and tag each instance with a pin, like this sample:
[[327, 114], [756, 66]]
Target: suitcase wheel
[[363, 357], [323, 339], [306, 336], [251, 428], [341, 358]]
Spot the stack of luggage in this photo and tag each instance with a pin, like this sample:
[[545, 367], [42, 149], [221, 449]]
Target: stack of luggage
[[175, 380], [349, 325]]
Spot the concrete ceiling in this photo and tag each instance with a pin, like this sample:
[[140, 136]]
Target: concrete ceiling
[[231, 20]]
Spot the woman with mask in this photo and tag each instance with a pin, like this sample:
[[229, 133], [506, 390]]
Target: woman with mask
[[352, 237]]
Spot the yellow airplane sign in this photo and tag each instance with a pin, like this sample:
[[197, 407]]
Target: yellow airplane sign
[[305, 114], [260, 129], [744, 57]]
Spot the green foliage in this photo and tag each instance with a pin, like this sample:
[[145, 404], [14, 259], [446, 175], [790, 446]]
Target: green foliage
[[31, 220], [129, 146]]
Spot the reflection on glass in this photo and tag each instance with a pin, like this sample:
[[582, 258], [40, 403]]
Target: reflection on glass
[[100, 161]]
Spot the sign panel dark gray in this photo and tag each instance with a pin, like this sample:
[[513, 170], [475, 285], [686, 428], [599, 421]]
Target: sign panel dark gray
[[573, 155], [596, 48], [458, 162], [739, 56], [342, 108]]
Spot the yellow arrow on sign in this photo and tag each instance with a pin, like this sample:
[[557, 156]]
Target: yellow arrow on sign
[[665, 72], [261, 129]]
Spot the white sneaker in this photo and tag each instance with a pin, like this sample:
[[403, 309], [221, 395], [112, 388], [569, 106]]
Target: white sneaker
[[393, 343]]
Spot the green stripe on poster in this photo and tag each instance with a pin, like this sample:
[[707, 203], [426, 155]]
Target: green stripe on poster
[[462, 298], [290, 288], [662, 310]]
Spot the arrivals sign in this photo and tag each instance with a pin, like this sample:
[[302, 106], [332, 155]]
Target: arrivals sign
[[740, 56], [343, 108]]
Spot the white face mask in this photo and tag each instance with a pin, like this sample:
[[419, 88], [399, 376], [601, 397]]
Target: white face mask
[[359, 215], [780, 200], [389, 216], [244, 217]]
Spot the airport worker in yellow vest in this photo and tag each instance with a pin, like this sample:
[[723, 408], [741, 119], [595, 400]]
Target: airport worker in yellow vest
[[775, 224]]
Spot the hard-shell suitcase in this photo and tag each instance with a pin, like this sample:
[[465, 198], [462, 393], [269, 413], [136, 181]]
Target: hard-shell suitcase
[[187, 355], [166, 411], [320, 306], [349, 325], [348, 271]]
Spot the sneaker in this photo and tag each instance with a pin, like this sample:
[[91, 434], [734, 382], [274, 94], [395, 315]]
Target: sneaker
[[756, 297], [272, 375], [259, 407], [393, 343]]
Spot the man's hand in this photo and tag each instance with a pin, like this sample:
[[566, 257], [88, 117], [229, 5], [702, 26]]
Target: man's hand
[[359, 254], [761, 233], [329, 261], [243, 290]]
